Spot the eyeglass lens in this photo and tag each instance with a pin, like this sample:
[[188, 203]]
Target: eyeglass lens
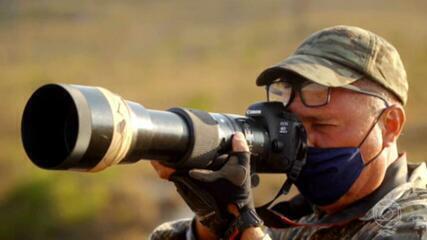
[[312, 94]]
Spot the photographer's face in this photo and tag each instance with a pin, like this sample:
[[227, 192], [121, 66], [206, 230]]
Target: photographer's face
[[344, 122]]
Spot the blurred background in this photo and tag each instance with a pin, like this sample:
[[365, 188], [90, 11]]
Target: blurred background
[[200, 54]]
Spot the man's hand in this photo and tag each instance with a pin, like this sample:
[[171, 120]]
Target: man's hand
[[233, 180], [163, 171], [229, 186]]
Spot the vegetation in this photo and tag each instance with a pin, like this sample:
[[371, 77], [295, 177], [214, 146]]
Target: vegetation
[[203, 54]]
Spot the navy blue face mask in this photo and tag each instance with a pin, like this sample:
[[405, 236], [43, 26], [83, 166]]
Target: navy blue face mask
[[330, 172]]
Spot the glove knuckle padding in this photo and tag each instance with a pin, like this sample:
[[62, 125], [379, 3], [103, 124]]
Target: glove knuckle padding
[[205, 175]]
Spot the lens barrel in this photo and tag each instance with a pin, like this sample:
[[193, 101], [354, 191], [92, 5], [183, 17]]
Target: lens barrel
[[90, 128]]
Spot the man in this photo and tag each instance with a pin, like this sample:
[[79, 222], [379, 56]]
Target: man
[[348, 86]]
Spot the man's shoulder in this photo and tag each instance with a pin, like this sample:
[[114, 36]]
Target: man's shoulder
[[403, 217], [173, 230]]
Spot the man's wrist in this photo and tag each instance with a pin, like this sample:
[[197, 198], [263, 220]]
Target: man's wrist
[[203, 232], [255, 233], [247, 219]]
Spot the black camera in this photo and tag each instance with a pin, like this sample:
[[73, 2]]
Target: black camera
[[90, 128]]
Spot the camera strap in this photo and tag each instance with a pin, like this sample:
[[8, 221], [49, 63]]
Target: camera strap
[[274, 218], [270, 217]]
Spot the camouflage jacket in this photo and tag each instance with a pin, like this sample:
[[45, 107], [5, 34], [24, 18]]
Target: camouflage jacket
[[397, 210]]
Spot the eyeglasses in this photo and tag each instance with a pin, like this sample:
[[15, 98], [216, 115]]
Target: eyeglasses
[[311, 94]]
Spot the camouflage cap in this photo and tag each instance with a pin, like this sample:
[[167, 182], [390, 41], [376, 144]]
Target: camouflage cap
[[340, 55]]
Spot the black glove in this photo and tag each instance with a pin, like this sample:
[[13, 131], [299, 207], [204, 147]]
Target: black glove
[[232, 184], [202, 202], [208, 192]]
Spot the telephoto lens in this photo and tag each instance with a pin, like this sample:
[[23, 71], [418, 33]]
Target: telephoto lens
[[84, 128]]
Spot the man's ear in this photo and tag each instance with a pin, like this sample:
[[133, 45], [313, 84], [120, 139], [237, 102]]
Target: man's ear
[[393, 120]]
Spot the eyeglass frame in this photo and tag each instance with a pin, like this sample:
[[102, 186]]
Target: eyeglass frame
[[297, 87]]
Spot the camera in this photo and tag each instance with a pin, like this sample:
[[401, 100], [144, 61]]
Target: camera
[[85, 128]]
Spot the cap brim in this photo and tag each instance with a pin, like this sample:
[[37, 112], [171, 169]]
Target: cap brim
[[313, 68]]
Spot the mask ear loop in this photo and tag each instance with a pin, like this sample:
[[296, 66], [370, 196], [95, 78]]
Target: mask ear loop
[[369, 132]]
